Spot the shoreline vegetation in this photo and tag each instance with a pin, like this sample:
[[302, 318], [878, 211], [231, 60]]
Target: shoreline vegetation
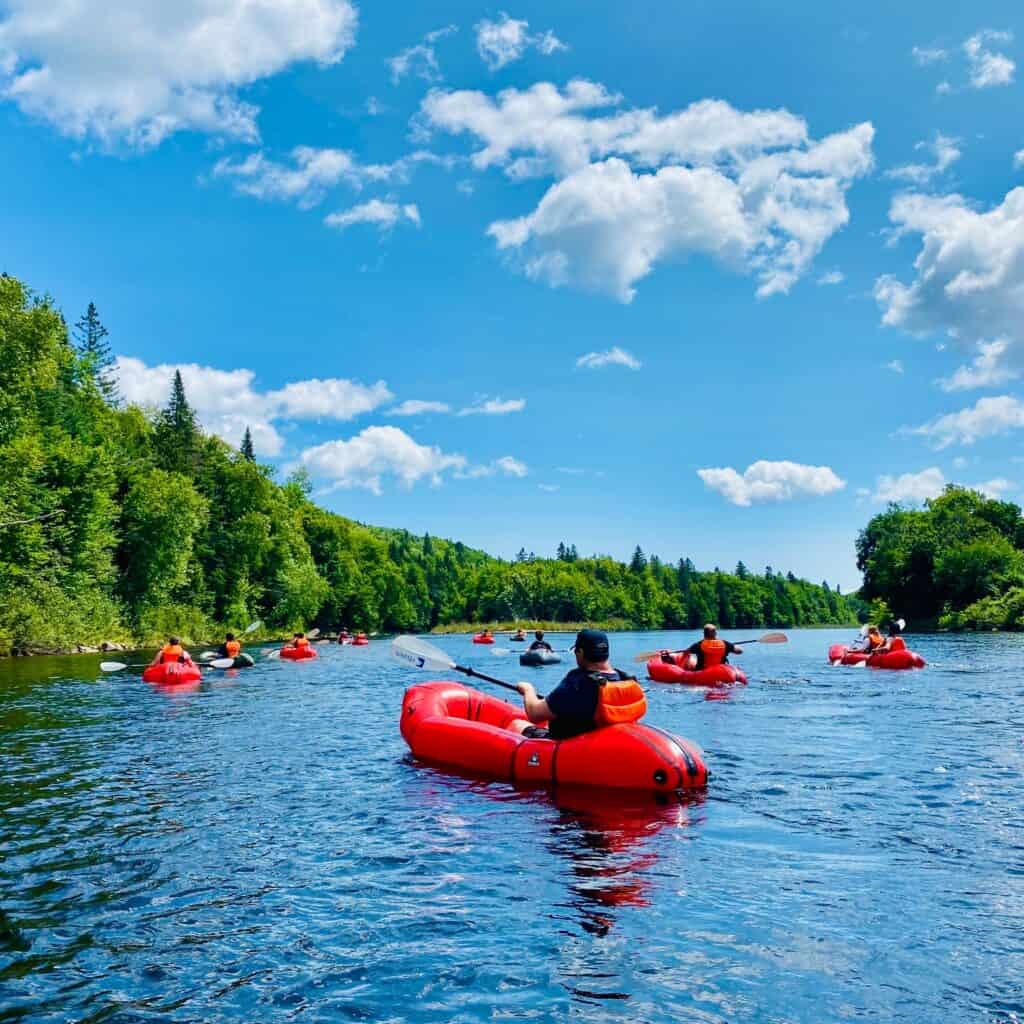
[[124, 525]]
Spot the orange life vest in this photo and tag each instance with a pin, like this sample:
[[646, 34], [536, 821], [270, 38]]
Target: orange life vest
[[619, 702], [233, 648], [302, 641], [714, 652], [897, 643], [171, 652], [875, 641]]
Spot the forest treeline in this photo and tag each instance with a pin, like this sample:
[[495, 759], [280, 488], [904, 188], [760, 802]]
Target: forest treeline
[[956, 563], [124, 524]]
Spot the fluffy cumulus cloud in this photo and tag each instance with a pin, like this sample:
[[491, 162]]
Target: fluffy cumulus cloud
[[945, 152], [634, 188], [614, 356], [832, 277], [987, 66], [969, 279], [136, 71], [308, 177], [506, 40], [384, 215], [929, 483], [376, 453], [226, 401], [420, 60], [494, 407], [765, 481], [986, 370], [988, 417]]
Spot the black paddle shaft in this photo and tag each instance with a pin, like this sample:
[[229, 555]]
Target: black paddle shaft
[[489, 679]]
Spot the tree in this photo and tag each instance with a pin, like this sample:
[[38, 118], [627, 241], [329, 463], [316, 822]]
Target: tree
[[246, 448], [176, 434], [98, 360], [741, 571], [638, 563]]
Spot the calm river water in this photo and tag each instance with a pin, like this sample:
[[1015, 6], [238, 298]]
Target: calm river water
[[262, 849]]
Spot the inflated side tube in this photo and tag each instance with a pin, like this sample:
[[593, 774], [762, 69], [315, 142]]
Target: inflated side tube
[[298, 653], [243, 661], [361, 641], [901, 658], [537, 659], [173, 673], [481, 639], [680, 672], [451, 725]]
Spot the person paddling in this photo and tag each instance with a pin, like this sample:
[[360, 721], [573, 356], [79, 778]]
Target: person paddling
[[709, 651], [298, 640], [231, 648], [539, 643], [592, 695], [172, 651], [519, 635]]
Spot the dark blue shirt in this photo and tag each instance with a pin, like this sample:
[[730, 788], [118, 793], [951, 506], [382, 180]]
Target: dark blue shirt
[[573, 702]]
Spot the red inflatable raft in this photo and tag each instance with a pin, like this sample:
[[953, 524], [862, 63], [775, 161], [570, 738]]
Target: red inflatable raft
[[449, 724], [680, 672], [898, 657], [172, 673], [297, 653], [361, 641], [481, 639]]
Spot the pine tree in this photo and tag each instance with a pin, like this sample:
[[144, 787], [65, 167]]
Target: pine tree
[[247, 449], [741, 570], [176, 433], [572, 555], [90, 335], [560, 554], [638, 563]]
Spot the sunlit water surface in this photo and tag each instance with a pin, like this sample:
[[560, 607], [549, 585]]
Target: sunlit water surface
[[262, 849]]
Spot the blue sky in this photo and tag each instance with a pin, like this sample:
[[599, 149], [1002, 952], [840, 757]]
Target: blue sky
[[709, 278]]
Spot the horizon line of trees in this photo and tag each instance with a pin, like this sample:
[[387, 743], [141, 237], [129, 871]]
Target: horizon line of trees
[[122, 524]]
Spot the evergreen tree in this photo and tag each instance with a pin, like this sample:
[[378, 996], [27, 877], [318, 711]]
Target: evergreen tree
[[572, 555], [560, 553], [741, 571], [638, 563], [90, 336], [176, 435], [247, 449]]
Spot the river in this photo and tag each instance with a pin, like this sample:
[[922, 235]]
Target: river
[[262, 849]]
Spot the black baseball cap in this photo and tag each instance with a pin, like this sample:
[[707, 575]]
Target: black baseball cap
[[592, 644]]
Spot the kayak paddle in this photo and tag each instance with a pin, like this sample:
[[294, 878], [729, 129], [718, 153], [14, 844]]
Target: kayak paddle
[[118, 666], [768, 638], [410, 650]]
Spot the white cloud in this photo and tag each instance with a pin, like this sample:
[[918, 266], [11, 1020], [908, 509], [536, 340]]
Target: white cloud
[[988, 68], [916, 487], [959, 462], [1018, 159], [614, 356], [511, 467], [928, 484], [945, 151], [548, 488], [312, 174], [925, 55], [506, 40], [750, 190], [988, 417], [375, 453], [832, 277], [571, 470], [494, 407], [896, 366], [385, 215], [137, 71], [944, 88], [969, 279], [418, 407], [421, 59], [764, 481], [986, 370], [226, 401]]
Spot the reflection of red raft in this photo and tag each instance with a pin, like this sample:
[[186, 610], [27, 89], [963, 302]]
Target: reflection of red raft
[[172, 673], [481, 639], [899, 657], [297, 653], [679, 672], [450, 724]]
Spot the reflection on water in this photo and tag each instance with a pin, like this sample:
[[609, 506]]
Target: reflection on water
[[263, 849]]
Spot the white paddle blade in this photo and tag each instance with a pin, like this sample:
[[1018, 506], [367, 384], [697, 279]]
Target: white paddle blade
[[223, 663], [274, 655], [410, 650], [207, 655], [500, 652], [112, 666], [252, 627], [313, 634], [902, 623]]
